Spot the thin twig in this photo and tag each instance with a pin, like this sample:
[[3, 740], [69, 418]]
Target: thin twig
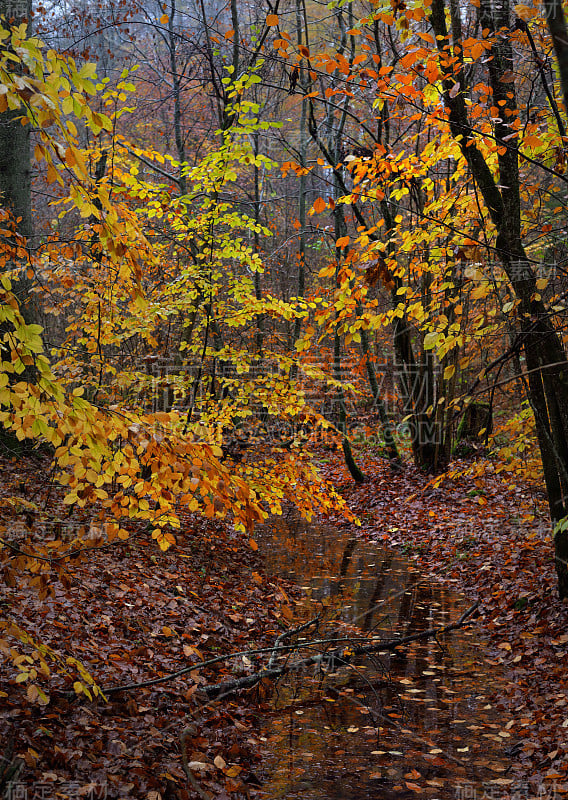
[[287, 634]]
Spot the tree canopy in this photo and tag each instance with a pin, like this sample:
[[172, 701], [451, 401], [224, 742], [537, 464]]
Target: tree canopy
[[260, 228]]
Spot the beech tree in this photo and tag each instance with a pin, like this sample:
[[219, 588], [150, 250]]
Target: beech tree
[[449, 97]]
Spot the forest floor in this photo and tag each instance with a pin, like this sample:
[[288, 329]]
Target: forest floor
[[131, 613], [491, 540]]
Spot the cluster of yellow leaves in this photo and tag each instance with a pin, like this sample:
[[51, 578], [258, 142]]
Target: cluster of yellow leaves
[[121, 280], [101, 453], [34, 665]]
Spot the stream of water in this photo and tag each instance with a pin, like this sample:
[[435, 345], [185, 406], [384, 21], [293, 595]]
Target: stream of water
[[417, 723]]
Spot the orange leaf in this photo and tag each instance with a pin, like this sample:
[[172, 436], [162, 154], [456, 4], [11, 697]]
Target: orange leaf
[[253, 545], [272, 20], [319, 205], [164, 19]]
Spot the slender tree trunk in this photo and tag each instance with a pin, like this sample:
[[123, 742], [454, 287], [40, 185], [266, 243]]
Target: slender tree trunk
[[559, 34], [340, 229], [302, 186], [258, 191], [378, 402], [544, 352], [15, 164], [176, 92]]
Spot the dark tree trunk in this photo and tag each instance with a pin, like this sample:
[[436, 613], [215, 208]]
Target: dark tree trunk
[[544, 352], [15, 161]]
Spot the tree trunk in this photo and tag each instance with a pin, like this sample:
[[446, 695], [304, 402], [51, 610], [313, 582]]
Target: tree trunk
[[543, 349], [15, 162], [559, 34]]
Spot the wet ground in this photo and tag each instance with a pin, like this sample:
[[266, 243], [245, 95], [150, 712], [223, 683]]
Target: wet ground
[[416, 723]]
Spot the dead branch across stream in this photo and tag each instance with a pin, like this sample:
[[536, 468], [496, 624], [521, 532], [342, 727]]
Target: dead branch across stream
[[338, 656], [351, 648]]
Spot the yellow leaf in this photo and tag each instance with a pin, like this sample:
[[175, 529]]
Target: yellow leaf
[[431, 340], [480, 291], [449, 371]]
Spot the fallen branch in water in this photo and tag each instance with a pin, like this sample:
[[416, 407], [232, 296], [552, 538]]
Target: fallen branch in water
[[338, 656]]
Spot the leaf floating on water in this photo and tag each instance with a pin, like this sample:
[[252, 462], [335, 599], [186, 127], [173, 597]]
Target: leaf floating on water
[[494, 766], [199, 765]]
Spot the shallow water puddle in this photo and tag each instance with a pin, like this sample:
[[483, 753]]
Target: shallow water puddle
[[416, 723]]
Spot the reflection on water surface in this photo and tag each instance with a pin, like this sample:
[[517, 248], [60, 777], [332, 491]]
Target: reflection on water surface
[[411, 724]]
